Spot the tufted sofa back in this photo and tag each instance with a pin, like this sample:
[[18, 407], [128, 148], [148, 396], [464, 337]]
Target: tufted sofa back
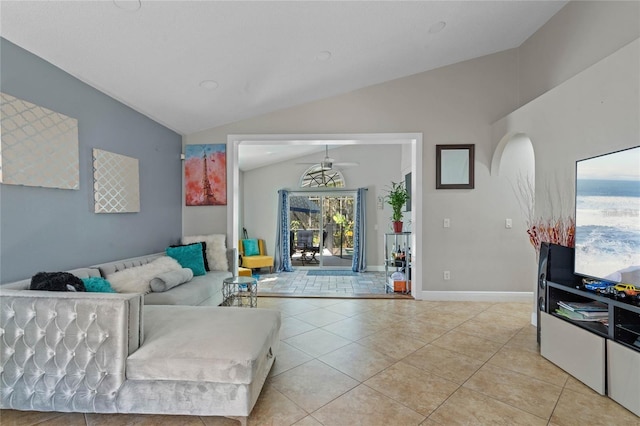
[[65, 351], [120, 265]]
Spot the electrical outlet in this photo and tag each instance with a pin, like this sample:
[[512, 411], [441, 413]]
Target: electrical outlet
[[508, 223], [447, 275], [446, 223]]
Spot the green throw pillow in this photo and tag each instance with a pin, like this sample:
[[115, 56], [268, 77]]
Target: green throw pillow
[[189, 257], [97, 285], [251, 247]]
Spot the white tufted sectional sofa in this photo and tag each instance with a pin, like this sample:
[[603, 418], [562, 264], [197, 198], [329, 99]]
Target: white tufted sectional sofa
[[109, 353]]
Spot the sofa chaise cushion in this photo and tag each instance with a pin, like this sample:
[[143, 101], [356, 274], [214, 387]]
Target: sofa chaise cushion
[[206, 344]]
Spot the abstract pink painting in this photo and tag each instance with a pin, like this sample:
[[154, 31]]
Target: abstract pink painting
[[205, 175]]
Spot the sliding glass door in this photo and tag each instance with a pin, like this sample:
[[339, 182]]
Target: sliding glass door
[[321, 227]]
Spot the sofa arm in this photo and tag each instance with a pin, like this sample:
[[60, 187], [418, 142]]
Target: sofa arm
[[232, 257], [65, 351]]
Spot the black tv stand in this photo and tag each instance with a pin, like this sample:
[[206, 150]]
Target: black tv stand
[[605, 357]]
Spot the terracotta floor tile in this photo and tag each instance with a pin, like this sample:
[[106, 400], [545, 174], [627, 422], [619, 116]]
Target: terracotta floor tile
[[518, 390], [380, 319], [444, 319], [292, 326], [317, 342], [352, 328], [468, 344], [392, 343], [357, 361], [575, 408], [500, 318], [219, 421], [419, 390], [365, 406], [312, 385], [532, 364], [422, 331], [444, 363], [526, 338], [466, 407], [287, 358], [348, 308], [308, 421], [320, 317], [274, 408], [17, 417], [324, 303], [499, 333], [520, 310], [577, 386], [296, 306]]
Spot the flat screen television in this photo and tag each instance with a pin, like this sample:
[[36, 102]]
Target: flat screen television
[[607, 238]]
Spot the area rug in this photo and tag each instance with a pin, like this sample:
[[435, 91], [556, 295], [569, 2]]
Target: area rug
[[332, 273]]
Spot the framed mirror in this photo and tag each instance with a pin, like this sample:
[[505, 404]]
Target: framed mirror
[[454, 166]]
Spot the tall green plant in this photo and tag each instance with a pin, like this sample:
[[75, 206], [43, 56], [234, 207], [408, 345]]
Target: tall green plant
[[397, 197]]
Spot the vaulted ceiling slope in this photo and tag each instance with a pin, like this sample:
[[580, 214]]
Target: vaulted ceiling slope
[[194, 65]]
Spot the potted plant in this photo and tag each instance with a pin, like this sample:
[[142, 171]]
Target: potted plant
[[397, 197]]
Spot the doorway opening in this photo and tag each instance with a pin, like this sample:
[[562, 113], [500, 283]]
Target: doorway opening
[[268, 208]]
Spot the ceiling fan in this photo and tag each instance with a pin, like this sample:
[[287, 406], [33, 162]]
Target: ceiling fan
[[327, 162]]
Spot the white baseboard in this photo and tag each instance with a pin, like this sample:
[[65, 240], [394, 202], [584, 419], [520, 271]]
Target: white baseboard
[[479, 296]]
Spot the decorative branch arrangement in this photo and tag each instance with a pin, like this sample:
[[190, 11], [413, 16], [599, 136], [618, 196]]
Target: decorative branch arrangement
[[558, 229]]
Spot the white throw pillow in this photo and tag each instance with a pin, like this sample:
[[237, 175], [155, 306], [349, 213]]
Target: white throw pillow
[[136, 279], [216, 249]]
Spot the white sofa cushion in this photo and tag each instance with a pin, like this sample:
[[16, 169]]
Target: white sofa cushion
[[216, 249], [205, 344], [137, 278]]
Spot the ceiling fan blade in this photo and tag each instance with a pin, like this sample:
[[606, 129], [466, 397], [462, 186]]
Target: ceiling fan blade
[[347, 164]]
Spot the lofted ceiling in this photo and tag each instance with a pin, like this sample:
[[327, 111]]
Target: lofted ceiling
[[195, 65]]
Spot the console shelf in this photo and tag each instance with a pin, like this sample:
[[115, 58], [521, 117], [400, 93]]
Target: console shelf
[[397, 258]]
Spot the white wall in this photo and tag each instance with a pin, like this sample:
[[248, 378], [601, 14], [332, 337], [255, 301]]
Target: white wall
[[595, 112], [379, 165], [578, 36]]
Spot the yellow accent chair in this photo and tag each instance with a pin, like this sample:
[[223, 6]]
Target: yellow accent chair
[[250, 260]]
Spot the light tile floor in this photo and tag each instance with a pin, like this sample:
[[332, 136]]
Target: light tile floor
[[300, 283], [400, 362]]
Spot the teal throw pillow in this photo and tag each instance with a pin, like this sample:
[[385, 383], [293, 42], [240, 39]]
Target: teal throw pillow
[[97, 285], [189, 257], [251, 247]]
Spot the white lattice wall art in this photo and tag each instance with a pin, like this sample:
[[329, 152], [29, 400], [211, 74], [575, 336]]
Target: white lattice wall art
[[39, 146], [116, 183]]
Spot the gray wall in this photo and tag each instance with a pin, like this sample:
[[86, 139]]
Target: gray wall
[[44, 229]]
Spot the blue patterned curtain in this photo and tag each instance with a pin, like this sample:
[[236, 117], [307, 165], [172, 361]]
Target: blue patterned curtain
[[359, 263], [282, 256]]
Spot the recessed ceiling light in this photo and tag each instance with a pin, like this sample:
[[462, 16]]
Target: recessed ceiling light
[[325, 55], [131, 5], [437, 27], [209, 84]]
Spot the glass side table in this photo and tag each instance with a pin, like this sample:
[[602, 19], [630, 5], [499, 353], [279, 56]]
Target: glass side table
[[240, 291]]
